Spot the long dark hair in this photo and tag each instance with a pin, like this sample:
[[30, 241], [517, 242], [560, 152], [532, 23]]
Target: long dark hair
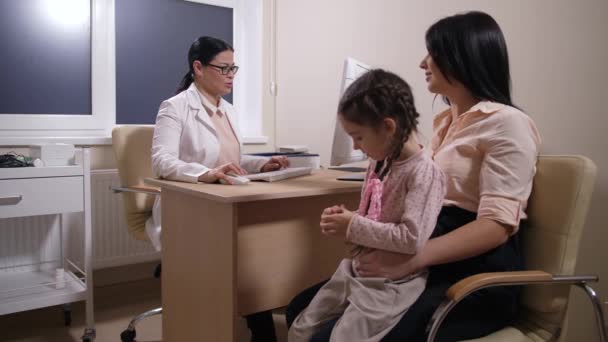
[[470, 48], [376, 95], [204, 50]]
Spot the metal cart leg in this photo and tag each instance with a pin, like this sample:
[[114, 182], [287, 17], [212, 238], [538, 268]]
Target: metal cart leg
[[89, 332]]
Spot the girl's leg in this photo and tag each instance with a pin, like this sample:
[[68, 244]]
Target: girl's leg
[[376, 306], [301, 301], [412, 325], [328, 304]]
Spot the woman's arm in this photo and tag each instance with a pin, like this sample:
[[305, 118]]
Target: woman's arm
[[470, 240], [166, 148]]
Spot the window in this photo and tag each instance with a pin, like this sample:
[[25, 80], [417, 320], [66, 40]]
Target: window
[[133, 64], [152, 42], [69, 42], [45, 68]]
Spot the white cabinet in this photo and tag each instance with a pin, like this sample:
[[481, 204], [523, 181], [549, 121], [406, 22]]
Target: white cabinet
[[32, 191]]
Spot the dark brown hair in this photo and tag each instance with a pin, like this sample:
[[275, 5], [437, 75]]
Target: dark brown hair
[[204, 50], [375, 96]]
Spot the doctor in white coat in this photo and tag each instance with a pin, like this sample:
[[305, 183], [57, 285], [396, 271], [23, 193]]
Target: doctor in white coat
[[196, 138]]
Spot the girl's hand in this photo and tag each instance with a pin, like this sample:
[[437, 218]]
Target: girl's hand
[[335, 221], [336, 209], [221, 172], [275, 163], [385, 264]]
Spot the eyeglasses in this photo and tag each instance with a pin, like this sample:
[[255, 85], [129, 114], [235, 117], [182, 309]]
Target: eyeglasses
[[225, 69]]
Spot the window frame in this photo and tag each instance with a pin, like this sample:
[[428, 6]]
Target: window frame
[[99, 123], [103, 100]]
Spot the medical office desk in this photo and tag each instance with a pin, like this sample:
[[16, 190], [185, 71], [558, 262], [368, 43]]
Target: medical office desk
[[229, 251]]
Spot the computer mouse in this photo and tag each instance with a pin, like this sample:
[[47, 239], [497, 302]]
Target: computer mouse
[[236, 180]]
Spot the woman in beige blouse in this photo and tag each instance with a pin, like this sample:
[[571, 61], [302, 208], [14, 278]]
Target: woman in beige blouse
[[487, 149]]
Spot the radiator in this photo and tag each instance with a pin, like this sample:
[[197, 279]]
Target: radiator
[[37, 240], [29, 243]]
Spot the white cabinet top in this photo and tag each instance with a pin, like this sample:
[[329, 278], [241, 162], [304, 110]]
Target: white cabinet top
[[38, 172]]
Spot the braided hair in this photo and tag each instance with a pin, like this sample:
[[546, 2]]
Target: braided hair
[[375, 96]]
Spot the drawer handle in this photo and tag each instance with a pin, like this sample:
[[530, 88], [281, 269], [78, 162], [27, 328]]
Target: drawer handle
[[10, 200]]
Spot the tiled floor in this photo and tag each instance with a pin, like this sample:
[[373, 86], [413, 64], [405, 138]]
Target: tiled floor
[[115, 306]]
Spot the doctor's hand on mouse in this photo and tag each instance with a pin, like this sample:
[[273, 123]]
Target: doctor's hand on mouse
[[222, 173]]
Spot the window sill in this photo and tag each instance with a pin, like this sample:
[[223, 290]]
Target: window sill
[[256, 140], [92, 140], [26, 141]]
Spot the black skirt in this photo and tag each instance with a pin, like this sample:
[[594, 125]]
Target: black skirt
[[480, 313]]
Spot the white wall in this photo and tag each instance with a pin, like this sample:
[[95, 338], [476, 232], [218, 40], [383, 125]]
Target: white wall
[[558, 52]]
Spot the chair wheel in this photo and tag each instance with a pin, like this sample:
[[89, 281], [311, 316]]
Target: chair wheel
[[128, 335], [89, 335]]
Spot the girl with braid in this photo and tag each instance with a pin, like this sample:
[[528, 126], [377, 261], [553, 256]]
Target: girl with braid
[[401, 199]]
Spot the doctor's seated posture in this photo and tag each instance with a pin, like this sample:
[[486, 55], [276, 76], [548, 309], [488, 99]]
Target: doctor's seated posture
[[196, 139]]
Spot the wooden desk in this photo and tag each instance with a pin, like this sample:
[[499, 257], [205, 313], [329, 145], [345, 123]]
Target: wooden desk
[[236, 250]]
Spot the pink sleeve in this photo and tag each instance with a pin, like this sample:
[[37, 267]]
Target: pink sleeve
[[423, 201]]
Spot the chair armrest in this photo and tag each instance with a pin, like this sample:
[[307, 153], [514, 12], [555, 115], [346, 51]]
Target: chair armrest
[[470, 284], [151, 190], [466, 286]]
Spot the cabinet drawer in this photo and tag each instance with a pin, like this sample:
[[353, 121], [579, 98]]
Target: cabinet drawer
[[40, 196]]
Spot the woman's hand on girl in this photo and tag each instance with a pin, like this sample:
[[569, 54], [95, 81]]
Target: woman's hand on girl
[[275, 163], [385, 264], [335, 221], [221, 172]]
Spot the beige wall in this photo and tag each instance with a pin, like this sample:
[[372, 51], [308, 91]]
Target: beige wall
[[558, 51]]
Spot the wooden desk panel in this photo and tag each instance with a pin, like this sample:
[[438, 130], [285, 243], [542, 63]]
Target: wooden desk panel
[[199, 269], [281, 251]]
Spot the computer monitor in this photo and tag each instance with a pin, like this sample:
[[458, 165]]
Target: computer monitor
[[342, 150]]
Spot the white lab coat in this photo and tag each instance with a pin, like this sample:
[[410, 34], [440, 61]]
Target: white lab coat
[[185, 146]]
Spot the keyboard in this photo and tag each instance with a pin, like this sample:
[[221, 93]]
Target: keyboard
[[278, 175]]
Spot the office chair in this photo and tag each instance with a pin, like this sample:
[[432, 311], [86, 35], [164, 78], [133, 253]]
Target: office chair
[[132, 149], [557, 209]]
